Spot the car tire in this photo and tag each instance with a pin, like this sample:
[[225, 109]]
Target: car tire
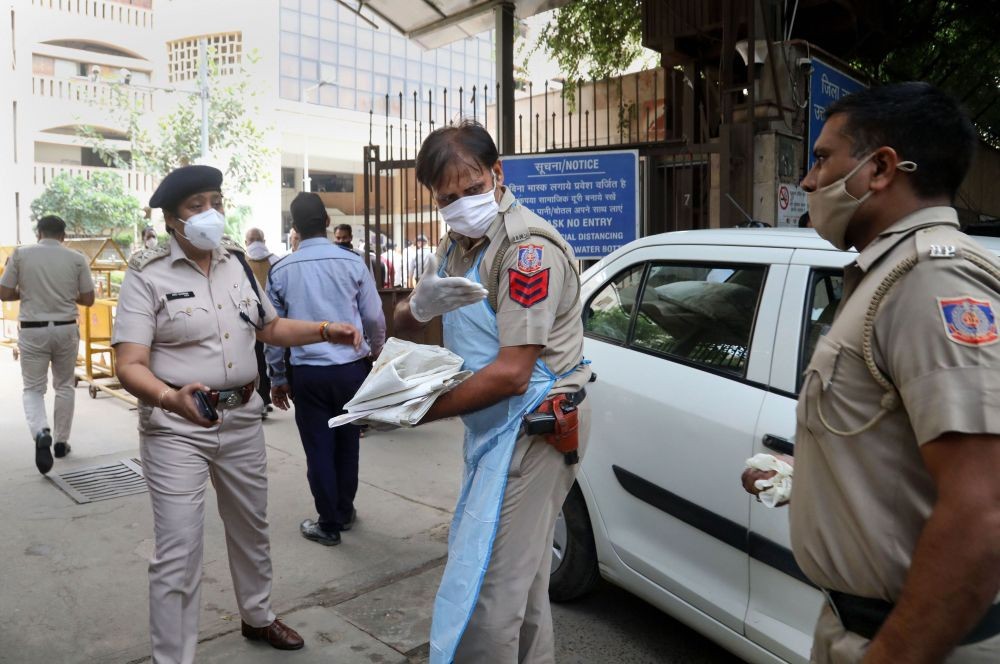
[[575, 571]]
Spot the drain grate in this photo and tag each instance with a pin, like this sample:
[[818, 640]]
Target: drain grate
[[86, 485]]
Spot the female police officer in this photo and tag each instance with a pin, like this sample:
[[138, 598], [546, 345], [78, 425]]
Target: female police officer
[[188, 315]]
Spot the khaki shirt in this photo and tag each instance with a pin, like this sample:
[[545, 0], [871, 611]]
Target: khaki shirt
[[555, 319], [49, 278], [191, 322], [860, 502]]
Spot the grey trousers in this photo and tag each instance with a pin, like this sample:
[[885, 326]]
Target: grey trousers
[[179, 459], [512, 621], [40, 347]]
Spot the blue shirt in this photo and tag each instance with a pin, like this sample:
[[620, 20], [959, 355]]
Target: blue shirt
[[322, 281]]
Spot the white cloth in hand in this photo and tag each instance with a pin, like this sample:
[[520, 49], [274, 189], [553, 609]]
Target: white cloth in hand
[[777, 489], [405, 381], [435, 295]]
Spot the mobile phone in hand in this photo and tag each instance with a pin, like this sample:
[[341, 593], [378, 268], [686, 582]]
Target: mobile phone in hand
[[205, 407]]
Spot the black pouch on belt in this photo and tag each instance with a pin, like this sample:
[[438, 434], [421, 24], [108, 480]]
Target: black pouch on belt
[[559, 421]]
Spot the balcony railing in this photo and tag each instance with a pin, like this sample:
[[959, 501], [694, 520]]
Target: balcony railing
[[140, 184], [138, 13], [83, 90]]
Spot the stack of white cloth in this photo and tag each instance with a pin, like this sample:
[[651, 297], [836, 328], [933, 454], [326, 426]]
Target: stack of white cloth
[[777, 489], [405, 381]]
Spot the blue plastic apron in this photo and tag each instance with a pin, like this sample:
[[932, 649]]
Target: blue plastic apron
[[490, 436]]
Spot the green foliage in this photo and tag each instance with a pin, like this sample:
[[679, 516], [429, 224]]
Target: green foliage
[[235, 142], [98, 205], [594, 39]]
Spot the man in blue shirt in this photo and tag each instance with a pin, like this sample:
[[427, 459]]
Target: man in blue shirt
[[321, 281]]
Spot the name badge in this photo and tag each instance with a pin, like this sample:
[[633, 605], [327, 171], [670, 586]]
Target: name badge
[[179, 296]]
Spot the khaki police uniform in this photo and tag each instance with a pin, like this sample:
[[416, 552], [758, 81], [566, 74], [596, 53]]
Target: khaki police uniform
[[862, 495], [50, 278], [512, 619], [192, 325]]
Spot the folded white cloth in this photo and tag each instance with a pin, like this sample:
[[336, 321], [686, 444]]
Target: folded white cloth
[[778, 489], [405, 381]]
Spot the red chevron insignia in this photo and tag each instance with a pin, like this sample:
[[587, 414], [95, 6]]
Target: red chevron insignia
[[529, 289]]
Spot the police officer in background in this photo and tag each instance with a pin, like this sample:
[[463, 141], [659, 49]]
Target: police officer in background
[[188, 315], [525, 346], [260, 259], [49, 280], [895, 508]]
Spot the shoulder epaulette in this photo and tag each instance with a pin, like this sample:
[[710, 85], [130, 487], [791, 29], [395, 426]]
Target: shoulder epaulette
[[141, 259], [230, 244]]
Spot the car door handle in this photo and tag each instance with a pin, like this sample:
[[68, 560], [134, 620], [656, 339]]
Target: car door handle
[[779, 444]]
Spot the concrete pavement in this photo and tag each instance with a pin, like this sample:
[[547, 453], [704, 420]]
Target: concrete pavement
[[74, 583]]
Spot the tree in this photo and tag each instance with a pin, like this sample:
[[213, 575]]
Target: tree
[[593, 39], [234, 139], [98, 205]]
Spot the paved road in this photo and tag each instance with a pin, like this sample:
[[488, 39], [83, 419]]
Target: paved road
[[610, 625]]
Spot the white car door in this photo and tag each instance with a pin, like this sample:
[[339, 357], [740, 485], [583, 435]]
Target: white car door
[[681, 339], [783, 604]]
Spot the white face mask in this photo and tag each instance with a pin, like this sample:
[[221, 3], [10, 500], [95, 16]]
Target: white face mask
[[832, 207], [151, 243], [205, 229], [471, 216]]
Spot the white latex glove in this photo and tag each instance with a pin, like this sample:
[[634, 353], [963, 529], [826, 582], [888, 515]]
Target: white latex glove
[[778, 488], [436, 295]]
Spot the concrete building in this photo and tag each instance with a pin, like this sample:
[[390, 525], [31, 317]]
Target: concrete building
[[319, 69]]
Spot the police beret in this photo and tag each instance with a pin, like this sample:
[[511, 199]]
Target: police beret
[[183, 182]]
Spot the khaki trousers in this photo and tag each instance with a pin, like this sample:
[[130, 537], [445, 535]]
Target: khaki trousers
[[178, 459], [512, 621], [832, 644], [40, 347]]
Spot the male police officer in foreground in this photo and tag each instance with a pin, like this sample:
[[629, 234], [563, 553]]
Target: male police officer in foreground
[[895, 510], [49, 280], [526, 348]]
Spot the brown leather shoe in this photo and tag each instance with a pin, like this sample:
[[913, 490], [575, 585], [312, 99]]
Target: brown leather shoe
[[277, 634]]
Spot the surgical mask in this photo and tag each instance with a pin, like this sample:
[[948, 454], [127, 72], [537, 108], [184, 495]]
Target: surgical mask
[[471, 216], [205, 229], [151, 243], [832, 207]]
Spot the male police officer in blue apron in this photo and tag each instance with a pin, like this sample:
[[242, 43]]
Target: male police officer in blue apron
[[509, 295]]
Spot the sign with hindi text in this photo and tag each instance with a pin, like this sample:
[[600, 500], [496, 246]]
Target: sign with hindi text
[[592, 198], [826, 85]]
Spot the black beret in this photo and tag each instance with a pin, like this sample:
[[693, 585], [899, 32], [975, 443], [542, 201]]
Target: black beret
[[307, 207], [183, 182]]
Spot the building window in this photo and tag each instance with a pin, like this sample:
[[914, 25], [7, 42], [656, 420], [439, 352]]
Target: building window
[[332, 182], [225, 50], [288, 178]]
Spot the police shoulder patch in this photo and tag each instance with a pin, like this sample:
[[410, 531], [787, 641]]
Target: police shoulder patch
[[529, 258], [968, 321], [529, 289]]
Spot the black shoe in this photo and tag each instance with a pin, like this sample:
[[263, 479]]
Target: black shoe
[[62, 449], [43, 453], [311, 530], [350, 521]]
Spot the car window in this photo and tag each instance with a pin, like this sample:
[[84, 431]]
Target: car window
[[609, 312], [700, 313], [826, 287]]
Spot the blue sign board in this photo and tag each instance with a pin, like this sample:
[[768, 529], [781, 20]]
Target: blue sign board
[[826, 85], [592, 198]]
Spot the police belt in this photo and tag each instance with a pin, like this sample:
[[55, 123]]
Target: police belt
[[45, 323], [864, 616], [223, 399]]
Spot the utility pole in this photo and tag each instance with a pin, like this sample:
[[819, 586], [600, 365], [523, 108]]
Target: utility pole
[[203, 93]]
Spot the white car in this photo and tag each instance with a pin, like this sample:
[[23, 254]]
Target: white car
[[699, 340]]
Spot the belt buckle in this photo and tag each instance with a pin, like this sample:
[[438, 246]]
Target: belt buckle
[[234, 399]]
